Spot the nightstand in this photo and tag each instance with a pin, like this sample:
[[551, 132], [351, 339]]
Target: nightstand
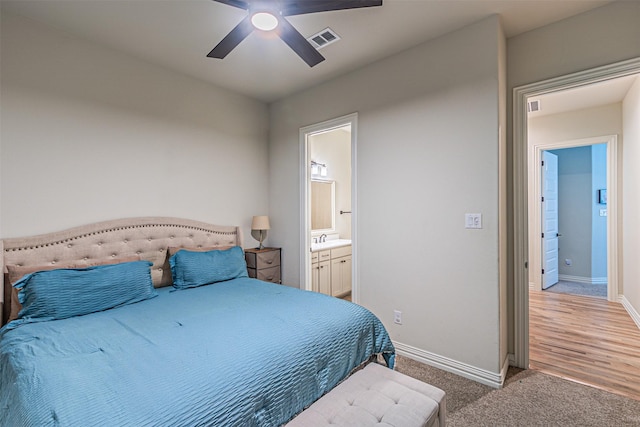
[[264, 264]]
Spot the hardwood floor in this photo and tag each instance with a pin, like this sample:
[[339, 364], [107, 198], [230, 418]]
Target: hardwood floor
[[588, 340]]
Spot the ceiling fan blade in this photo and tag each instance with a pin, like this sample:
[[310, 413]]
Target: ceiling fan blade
[[233, 39], [235, 3], [298, 43], [300, 7]]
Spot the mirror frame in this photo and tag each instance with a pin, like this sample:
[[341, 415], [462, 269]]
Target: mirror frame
[[332, 229]]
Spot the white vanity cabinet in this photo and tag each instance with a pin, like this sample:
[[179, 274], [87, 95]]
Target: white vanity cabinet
[[331, 271], [321, 272], [340, 271]]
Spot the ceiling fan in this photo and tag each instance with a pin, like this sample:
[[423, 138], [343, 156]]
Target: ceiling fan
[[269, 15]]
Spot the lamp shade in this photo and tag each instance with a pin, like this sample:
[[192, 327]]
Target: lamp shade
[[260, 222]]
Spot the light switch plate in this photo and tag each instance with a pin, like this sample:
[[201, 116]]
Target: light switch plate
[[473, 220]]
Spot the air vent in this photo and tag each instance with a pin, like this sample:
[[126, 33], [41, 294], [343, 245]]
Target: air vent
[[533, 106], [323, 38]]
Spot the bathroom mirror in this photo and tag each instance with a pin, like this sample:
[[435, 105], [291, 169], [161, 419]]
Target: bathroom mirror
[[323, 213]]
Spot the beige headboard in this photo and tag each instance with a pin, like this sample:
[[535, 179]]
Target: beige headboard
[[147, 237]]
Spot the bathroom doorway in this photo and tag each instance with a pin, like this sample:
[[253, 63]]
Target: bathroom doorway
[[328, 211]]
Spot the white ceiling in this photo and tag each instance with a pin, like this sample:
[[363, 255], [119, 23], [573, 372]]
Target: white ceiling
[[178, 34]]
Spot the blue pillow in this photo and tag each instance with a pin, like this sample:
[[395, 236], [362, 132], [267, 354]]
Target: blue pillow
[[59, 294], [190, 269]]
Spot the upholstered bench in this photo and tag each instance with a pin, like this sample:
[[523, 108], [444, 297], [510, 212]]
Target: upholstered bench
[[377, 396]]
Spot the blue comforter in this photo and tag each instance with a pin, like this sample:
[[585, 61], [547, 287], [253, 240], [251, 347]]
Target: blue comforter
[[237, 353]]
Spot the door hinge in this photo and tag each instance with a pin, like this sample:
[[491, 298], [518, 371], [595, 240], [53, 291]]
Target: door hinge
[[543, 271], [542, 198], [542, 163], [543, 235]]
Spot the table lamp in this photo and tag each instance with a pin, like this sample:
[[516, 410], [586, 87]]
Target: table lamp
[[259, 227]]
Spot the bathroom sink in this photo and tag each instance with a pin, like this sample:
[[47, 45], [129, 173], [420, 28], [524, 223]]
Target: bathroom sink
[[330, 244]]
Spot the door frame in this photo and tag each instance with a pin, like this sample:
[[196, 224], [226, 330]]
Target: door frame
[[520, 186], [535, 207], [305, 197]]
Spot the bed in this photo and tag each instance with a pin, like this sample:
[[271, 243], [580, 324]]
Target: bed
[[238, 352]]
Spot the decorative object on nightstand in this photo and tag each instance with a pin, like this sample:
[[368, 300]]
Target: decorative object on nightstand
[[264, 264], [259, 227]]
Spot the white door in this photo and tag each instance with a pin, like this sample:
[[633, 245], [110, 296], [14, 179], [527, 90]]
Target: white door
[[549, 219]]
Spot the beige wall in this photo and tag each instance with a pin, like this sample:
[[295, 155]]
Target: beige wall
[[598, 37], [631, 196], [503, 178], [90, 134], [579, 124], [427, 153]]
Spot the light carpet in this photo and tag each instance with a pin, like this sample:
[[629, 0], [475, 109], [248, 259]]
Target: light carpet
[[528, 398], [575, 288]]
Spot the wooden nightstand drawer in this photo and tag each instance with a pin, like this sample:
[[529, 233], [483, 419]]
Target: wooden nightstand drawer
[[271, 274], [262, 258], [264, 264], [268, 259]]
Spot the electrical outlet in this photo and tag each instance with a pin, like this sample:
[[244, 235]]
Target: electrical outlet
[[397, 317]]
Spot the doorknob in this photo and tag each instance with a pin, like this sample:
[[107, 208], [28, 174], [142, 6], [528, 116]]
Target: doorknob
[[558, 234]]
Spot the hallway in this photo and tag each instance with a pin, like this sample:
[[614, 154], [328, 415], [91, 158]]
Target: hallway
[[585, 339]]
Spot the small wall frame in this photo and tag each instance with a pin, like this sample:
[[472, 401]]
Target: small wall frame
[[602, 196]]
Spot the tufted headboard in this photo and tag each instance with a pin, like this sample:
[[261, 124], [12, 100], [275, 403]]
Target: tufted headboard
[[146, 237]]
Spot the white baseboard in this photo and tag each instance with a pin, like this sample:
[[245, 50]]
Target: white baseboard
[[492, 379], [630, 309], [587, 280]]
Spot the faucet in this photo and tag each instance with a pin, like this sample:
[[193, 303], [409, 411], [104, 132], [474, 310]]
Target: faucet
[[323, 238]]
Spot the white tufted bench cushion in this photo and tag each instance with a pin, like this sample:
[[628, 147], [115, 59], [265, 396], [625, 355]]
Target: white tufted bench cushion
[[377, 396]]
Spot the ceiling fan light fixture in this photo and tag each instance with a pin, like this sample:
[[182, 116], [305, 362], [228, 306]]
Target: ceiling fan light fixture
[[270, 15], [264, 21]]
